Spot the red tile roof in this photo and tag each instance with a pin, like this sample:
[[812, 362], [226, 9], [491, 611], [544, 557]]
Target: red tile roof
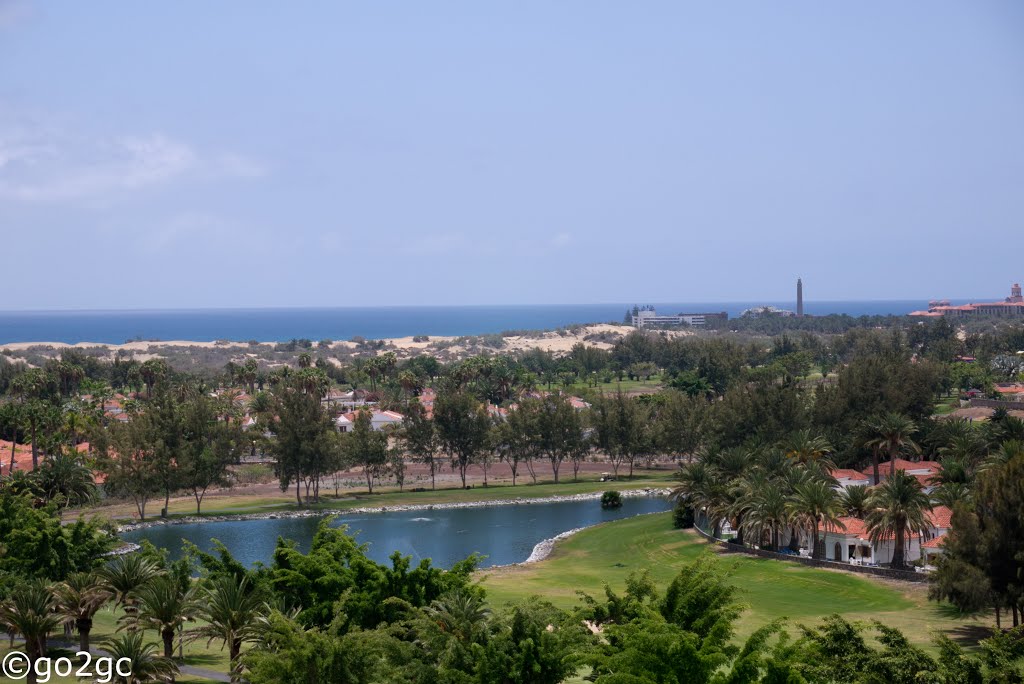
[[849, 474], [941, 517], [935, 542]]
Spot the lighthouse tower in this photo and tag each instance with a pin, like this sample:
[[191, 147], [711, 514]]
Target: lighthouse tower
[[800, 297]]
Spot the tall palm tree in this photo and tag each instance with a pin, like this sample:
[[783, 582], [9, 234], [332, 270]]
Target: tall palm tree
[[767, 513], [165, 603], [729, 467], [233, 613], [124, 575], [815, 505], [899, 507], [701, 490], [892, 435], [146, 665], [79, 598], [33, 388], [31, 612]]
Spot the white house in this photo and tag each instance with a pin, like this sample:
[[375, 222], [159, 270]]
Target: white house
[[378, 420], [850, 543]]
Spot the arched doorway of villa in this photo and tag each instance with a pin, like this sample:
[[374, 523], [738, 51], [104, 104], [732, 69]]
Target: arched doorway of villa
[[839, 552]]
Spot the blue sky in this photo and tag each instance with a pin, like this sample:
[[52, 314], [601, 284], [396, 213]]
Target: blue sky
[[195, 154]]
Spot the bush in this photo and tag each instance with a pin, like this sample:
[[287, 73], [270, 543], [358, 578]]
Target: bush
[[682, 517], [611, 499]]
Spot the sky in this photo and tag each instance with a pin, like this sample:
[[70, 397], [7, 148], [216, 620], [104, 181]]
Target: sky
[[198, 154]]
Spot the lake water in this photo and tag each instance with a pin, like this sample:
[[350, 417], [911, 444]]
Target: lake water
[[505, 534], [271, 325]]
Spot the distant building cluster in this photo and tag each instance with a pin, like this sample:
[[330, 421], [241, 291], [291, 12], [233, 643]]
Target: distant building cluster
[[1011, 306], [649, 318], [766, 312]]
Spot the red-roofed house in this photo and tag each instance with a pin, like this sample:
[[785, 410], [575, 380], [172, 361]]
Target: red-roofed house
[[847, 477], [850, 542], [922, 470], [22, 457]]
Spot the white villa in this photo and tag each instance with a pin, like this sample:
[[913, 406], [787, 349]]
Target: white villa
[[379, 420], [850, 543]]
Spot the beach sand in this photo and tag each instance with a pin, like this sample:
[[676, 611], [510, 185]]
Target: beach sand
[[601, 336]]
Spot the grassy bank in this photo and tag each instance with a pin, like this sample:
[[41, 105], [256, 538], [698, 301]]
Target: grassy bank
[[771, 589], [277, 502]]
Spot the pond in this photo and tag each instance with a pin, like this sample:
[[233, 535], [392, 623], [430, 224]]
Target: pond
[[504, 534]]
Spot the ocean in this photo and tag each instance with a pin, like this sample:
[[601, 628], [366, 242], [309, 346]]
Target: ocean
[[274, 325]]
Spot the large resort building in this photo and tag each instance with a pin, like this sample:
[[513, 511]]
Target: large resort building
[[648, 318], [1011, 306]]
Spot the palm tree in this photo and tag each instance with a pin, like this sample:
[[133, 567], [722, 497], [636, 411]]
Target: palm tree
[[854, 500], [1007, 450], [12, 414], [164, 604], [700, 489], [807, 448], [891, 435], [951, 494], [767, 513], [32, 387], [898, 506], [65, 478], [815, 505], [124, 575], [731, 466], [461, 614], [79, 598], [967, 449], [146, 666], [234, 613], [31, 612]]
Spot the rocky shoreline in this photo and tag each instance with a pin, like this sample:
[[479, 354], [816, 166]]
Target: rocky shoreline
[[520, 501]]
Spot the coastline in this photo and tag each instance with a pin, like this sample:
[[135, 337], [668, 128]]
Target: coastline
[[364, 510]]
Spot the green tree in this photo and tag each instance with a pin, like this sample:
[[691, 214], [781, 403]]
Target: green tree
[[367, 448], [463, 428]]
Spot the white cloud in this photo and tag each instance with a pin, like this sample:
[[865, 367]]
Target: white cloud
[[45, 164]]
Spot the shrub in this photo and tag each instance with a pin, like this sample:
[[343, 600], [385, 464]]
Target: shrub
[[682, 517], [611, 499]]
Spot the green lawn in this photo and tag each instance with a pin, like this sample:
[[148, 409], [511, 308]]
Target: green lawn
[[947, 405], [770, 588], [626, 385]]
